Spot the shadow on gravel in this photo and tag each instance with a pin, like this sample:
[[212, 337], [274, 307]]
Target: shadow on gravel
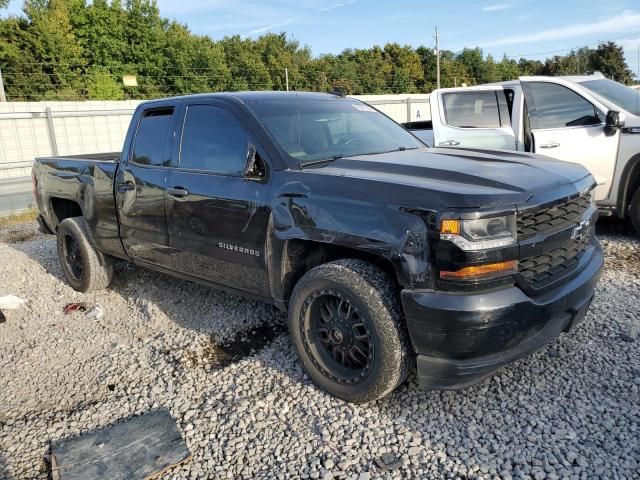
[[219, 355], [616, 227], [190, 305]]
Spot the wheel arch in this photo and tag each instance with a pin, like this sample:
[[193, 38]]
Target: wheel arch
[[629, 184], [301, 255], [62, 208]]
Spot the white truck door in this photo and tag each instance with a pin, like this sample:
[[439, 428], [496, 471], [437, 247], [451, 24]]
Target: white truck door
[[568, 124], [472, 117]]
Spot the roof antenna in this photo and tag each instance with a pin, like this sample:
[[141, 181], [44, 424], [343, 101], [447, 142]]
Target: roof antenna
[[339, 91]]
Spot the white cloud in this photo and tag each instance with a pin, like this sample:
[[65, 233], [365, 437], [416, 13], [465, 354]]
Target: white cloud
[[288, 21], [496, 7], [625, 22], [274, 25], [337, 5]]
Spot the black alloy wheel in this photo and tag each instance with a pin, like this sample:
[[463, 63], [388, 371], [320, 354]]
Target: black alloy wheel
[[338, 336], [73, 257]]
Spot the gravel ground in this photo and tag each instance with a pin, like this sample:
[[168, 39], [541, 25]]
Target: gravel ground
[[572, 410]]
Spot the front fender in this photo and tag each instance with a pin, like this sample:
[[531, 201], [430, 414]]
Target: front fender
[[387, 232]]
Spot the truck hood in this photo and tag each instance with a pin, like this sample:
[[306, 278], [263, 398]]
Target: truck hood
[[460, 178]]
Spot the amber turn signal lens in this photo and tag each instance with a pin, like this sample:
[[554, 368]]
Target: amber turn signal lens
[[451, 227], [482, 271]]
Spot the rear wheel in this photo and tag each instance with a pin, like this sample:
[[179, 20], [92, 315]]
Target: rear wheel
[[85, 268], [634, 210], [348, 330]]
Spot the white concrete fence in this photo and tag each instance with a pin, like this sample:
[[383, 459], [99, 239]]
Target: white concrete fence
[[37, 129]]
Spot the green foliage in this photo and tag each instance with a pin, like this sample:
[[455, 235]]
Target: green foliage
[[81, 49], [608, 58], [101, 85]]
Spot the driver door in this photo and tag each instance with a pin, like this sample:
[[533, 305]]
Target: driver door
[[567, 126], [216, 215]]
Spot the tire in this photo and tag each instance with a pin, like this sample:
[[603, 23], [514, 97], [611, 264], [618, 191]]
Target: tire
[[85, 268], [348, 330], [634, 210]]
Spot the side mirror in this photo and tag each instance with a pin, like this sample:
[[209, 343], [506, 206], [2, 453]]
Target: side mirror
[[614, 119], [255, 169]]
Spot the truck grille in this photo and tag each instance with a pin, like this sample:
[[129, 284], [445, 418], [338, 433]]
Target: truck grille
[[541, 270], [552, 217]]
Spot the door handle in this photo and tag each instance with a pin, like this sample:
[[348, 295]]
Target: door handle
[[126, 187], [550, 145], [449, 143], [178, 192]]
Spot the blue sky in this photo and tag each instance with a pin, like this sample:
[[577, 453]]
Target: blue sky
[[535, 28]]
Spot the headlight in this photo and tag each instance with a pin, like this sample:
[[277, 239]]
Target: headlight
[[480, 234]]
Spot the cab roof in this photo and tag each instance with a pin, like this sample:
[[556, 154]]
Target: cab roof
[[256, 96]]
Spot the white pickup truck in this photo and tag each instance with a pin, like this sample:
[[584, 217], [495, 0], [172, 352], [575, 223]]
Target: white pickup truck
[[584, 119]]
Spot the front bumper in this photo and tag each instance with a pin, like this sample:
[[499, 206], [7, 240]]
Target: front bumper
[[461, 339]]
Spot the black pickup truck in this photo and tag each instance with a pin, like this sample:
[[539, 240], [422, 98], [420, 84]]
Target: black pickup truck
[[386, 254]]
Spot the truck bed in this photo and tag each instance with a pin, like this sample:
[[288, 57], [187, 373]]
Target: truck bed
[[84, 184], [90, 157]]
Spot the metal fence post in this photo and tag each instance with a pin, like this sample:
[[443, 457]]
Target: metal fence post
[[51, 132], [3, 96]]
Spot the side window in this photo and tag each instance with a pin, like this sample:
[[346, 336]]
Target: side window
[[151, 137], [476, 109], [213, 140], [555, 106]]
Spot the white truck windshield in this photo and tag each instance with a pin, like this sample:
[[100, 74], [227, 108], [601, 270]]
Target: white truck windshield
[[615, 92]]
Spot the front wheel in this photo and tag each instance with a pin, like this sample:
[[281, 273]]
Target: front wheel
[[348, 330], [85, 268], [634, 210]]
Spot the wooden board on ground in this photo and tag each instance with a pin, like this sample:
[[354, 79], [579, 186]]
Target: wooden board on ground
[[136, 449]]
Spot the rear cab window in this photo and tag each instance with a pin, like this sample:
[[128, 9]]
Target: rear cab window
[[476, 109], [151, 138]]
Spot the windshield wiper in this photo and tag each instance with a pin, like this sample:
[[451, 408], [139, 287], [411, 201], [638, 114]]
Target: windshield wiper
[[399, 149], [339, 156], [323, 160]]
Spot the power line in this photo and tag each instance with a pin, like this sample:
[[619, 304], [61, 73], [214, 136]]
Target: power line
[[572, 48]]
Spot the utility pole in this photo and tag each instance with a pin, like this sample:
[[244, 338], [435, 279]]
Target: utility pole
[[286, 78], [3, 97], [437, 58]]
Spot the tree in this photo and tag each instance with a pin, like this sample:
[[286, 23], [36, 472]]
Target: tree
[[247, 70], [428, 62], [100, 30], [530, 67], [102, 85], [608, 58], [51, 38], [194, 63], [142, 56], [508, 69], [473, 61], [69, 49], [406, 73]]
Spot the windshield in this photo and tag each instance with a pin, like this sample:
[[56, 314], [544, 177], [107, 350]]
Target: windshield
[[615, 92], [312, 130]]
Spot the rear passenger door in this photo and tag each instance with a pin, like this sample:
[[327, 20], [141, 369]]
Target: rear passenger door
[[472, 117], [140, 185], [217, 213]]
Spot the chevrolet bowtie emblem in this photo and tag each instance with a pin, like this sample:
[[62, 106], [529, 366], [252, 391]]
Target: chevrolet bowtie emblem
[[581, 230]]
